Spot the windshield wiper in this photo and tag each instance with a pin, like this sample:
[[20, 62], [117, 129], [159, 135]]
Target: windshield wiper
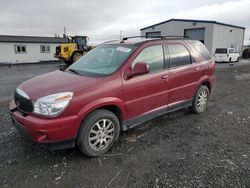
[[74, 71]]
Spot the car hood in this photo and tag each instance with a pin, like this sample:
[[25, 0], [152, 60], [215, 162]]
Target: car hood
[[57, 81]]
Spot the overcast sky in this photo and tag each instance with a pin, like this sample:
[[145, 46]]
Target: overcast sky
[[104, 19]]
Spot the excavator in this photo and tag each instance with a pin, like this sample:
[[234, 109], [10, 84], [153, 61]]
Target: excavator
[[73, 50]]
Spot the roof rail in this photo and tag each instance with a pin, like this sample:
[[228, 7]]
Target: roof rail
[[174, 36], [160, 37], [126, 38], [110, 41]]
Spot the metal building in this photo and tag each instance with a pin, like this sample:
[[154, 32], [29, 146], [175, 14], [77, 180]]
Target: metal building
[[212, 33], [15, 49]]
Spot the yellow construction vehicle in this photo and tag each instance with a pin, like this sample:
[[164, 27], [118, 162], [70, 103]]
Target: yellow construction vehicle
[[74, 50]]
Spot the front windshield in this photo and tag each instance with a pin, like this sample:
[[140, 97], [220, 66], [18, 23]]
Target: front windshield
[[80, 41], [102, 60]]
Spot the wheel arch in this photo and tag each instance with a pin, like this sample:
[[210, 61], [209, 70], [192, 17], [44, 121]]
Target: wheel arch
[[208, 84], [205, 81], [116, 110], [112, 104]]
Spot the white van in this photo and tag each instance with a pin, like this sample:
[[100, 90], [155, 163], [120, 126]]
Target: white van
[[226, 55]]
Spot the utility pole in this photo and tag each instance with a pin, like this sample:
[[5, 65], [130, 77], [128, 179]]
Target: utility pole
[[64, 32], [120, 34]]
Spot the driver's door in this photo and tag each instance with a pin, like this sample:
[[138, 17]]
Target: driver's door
[[147, 94]]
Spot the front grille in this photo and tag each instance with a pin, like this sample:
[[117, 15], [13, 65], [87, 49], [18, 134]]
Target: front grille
[[22, 103], [58, 50]]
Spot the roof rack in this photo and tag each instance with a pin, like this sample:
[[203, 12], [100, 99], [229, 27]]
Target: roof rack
[[159, 37], [126, 38], [174, 36], [110, 41]]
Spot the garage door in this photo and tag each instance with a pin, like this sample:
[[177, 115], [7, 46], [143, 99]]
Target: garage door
[[196, 34], [153, 34]]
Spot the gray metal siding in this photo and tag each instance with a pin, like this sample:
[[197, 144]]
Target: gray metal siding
[[178, 27], [228, 37], [216, 35], [200, 21]]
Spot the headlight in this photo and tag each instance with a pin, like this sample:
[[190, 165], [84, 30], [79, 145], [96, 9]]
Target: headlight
[[52, 105]]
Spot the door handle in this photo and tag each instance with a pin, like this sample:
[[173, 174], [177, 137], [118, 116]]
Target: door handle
[[165, 77]]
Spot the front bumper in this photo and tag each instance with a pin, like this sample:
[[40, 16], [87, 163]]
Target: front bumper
[[60, 57], [54, 132]]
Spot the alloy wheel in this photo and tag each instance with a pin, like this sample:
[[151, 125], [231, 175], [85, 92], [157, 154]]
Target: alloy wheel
[[202, 99], [101, 134]]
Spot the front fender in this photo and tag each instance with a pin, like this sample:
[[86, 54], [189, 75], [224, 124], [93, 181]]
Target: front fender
[[90, 107]]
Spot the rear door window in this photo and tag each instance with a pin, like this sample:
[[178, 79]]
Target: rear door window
[[179, 55]]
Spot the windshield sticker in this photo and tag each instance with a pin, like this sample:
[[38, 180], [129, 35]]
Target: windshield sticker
[[123, 49]]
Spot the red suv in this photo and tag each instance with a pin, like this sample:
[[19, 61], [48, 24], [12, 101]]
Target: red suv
[[114, 87]]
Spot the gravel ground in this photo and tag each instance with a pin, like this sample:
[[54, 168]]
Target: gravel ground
[[180, 149]]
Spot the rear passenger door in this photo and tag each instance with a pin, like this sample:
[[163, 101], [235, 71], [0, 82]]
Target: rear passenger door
[[184, 73]]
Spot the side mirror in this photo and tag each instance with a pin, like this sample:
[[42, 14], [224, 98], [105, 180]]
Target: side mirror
[[139, 69]]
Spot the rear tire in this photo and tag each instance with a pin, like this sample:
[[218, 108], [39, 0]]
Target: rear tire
[[245, 54], [98, 133], [200, 101]]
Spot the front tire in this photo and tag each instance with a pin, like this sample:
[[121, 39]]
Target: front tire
[[68, 63], [76, 57], [98, 133], [200, 100]]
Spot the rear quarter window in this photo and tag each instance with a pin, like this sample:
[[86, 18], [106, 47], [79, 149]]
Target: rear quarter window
[[201, 49]]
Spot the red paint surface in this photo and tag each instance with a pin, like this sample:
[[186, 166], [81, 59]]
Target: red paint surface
[[133, 97]]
